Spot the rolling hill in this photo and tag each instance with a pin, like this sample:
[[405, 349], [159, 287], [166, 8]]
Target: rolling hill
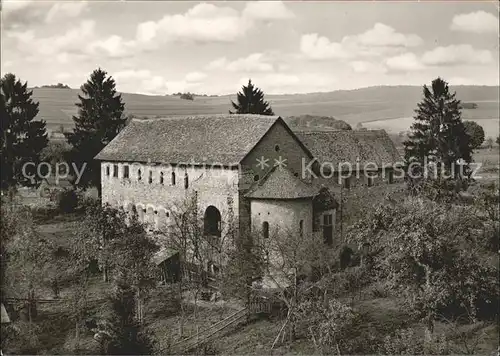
[[388, 107]]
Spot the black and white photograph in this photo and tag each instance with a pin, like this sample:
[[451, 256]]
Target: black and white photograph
[[249, 177]]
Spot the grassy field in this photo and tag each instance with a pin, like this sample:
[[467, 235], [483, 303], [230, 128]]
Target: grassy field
[[376, 107]]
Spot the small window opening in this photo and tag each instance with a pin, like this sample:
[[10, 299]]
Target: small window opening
[[107, 171], [173, 178], [369, 181], [186, 181], [265, 229], [301, 228], [256, 178], [150, 179], [161, 178], [346, 183], [115, 170], [139, 175], [126, 171], [277, 148]]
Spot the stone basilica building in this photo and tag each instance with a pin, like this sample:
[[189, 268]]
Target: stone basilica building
[[250, 169]]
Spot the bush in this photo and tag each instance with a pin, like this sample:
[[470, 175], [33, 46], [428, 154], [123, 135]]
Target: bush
[[346, 256], [406, 342], [187, 96], [67, 201], [330, 326]]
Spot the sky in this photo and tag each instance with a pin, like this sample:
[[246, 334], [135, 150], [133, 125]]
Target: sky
[[160, 47]]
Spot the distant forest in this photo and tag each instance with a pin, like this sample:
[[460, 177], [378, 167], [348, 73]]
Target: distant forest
[[55, 86]]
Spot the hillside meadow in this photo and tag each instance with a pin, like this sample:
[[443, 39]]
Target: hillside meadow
[[389, 108]]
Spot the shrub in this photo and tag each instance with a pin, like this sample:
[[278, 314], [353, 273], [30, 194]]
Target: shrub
[[407, 342], [187, 96], [67, 201], [346, 255], [330, 326]]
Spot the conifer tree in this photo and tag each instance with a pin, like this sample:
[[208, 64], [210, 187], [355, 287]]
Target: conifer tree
[[22, 137], [250, 100], [438, 133], [100, 118]]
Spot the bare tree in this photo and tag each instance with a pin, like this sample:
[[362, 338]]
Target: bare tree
[[197, 248], [293, 260]]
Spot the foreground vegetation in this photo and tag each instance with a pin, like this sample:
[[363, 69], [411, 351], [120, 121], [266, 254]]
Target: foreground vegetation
[[420, 287]]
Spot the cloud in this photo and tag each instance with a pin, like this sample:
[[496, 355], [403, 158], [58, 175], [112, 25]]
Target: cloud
[[456, 55], [379, 40], [145, 82], [10, 6], [367, 67], [65, 9], [385, 36], [195, 77], [320, 47], [140, 81], [218, 63], [19, 14], [267, 10], [202, 23], [70, 41], [273, 82], [404, 62], [114, 47], [63, 76], [210, 23], [255, 62], [475, 22]]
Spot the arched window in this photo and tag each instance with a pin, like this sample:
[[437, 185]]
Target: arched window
[[161, 220], [173, 178], [139, 174], [140, 213], [301, 228], [265, 229], [212, 221], [186, 181], [150, 218]]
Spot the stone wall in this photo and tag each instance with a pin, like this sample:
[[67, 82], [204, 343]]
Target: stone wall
[[155, 200], [275, 145], [283, 215]]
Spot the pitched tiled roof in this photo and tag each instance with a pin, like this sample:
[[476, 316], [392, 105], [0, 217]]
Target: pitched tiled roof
[[201, 139], [347, 146], [280, 183]]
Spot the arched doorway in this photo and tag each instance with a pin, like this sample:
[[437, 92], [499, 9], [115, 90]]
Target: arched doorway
[[212, 221]]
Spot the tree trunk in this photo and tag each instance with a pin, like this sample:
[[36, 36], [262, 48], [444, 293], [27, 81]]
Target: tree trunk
[[77, 334], [99, 191], [105, 272]]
